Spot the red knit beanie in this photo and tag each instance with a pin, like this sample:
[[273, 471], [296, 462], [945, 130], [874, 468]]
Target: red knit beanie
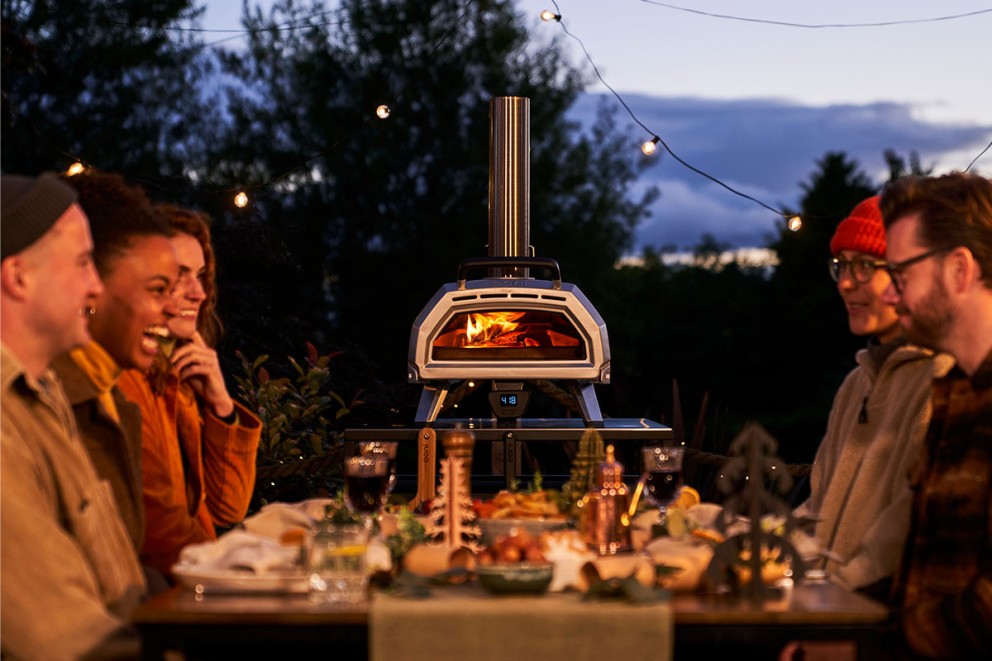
[[862, 231]]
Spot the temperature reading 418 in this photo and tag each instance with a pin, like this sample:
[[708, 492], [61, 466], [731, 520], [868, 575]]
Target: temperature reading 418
[[508, 404]]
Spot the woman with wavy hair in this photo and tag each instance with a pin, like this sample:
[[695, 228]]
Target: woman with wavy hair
[[198, 444]]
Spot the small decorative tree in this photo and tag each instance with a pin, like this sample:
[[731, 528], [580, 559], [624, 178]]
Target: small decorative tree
[[582, 478], [452, 519]]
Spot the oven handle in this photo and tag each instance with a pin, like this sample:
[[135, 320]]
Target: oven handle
[[548, 263]]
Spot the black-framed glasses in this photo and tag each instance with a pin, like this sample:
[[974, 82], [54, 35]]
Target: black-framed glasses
[[896, 270], [862, 270]]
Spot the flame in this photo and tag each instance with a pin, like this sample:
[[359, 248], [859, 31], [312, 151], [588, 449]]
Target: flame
[[482, 328]]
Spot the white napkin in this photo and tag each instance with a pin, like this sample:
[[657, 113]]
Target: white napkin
[[690, 556], [240, 551], [275, 519]]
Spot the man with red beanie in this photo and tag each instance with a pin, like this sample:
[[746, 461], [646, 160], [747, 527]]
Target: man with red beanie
[[859, 482]]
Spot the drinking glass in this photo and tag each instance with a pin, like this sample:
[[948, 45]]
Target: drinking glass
[[662, 476], [386, 449], [366, 478], [337, 569]]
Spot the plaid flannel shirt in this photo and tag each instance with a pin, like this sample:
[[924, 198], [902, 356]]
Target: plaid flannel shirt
[[943, 594]]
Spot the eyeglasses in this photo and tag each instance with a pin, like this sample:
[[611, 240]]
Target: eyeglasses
[[896, 270], [862, 270]]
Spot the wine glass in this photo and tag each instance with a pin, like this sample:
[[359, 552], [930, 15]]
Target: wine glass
[[386, 449], [365, 485], [662, 476]]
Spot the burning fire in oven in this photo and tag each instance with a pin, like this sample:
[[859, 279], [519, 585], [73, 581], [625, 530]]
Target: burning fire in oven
[[501, 330], [496, 329]]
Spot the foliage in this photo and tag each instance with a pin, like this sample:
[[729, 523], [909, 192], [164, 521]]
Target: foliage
[[336, 511], [301, 449], [409, 533], [99, 79]]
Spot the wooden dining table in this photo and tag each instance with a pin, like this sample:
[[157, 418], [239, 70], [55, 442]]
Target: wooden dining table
[[209, 626]]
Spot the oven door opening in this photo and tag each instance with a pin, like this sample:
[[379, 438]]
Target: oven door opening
[[507, 334]]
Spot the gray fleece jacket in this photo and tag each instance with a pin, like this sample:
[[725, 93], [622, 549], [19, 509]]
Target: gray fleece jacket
[[859, 485]]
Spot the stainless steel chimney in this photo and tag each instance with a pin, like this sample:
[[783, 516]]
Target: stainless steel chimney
[[509, 181]]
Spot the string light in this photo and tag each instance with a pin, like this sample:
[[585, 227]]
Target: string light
[[547, 16], [795, 224], [657, 139], [241, 200], [383, 111], [76, 168], [650, 146]]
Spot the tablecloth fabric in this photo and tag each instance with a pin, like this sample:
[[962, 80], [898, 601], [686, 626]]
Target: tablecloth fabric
[[458, 623]]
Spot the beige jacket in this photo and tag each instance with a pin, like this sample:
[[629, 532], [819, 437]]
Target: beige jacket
[[70, 575], [860, 479]]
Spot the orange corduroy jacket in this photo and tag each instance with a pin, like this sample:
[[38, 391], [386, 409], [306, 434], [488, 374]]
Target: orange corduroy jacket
[[197, 471]]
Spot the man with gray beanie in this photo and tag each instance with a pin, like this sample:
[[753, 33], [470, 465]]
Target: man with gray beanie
[[70, 575]]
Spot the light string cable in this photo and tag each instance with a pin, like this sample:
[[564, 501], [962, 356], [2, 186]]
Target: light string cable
[[654, 136], [975, 160], [238, 33], [817, 25], [814, 26]]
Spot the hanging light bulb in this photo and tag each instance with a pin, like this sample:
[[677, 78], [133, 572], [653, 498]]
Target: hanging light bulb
[[241, 200], [76, 168], [650, 146], [547, 16], [382, 112], [795, 223]]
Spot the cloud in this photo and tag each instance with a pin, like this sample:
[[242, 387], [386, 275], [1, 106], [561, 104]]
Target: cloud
[[767, 148]]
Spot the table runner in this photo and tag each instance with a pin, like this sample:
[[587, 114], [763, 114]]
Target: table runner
[[465, 622]]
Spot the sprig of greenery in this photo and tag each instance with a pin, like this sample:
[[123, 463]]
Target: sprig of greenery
[[410, 532]]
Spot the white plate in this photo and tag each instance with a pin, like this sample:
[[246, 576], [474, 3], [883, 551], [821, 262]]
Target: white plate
[[197, 579]]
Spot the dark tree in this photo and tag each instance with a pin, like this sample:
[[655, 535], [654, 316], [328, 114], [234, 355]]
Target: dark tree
[[112, 83], [811, 347]]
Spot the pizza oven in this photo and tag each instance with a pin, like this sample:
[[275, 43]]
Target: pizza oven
[[506, 325]]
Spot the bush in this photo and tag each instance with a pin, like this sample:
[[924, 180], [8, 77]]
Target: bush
[[301, 450]]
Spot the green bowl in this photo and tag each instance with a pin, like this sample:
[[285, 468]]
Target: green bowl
[[516, 578]]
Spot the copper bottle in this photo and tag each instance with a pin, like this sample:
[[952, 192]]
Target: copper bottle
[[603, 519]]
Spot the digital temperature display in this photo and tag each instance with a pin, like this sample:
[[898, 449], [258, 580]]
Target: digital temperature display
[[508, 404]]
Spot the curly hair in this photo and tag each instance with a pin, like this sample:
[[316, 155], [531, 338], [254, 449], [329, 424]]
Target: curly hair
[[118, 213], [954, 210], [197, 225]]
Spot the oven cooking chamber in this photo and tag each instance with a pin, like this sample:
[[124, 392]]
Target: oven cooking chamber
[[585, 355]]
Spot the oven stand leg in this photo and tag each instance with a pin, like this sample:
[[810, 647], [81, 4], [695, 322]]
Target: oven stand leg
[[431, 400], [585, 395]]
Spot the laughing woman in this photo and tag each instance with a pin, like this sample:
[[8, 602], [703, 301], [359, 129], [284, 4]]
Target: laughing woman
[[198, 444]]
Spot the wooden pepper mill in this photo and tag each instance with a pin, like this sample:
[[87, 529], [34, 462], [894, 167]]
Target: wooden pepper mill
[[460, 443]]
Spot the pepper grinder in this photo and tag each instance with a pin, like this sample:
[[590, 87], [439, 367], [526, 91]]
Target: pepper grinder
[[603, 519], [459, 443]]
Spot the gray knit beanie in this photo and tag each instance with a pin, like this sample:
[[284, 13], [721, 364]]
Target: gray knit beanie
[[29, 206]]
